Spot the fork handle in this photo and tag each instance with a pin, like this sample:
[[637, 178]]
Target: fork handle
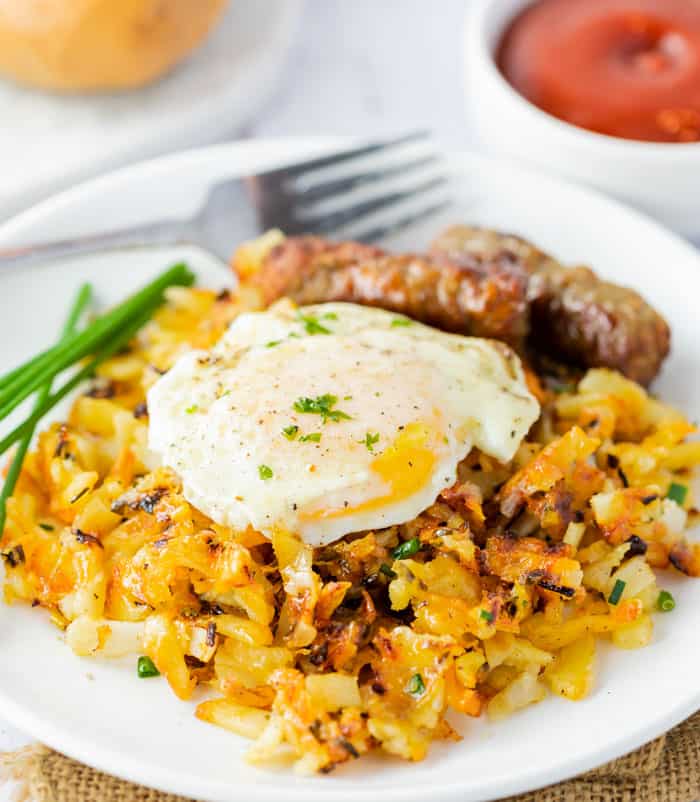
[[169, 232]]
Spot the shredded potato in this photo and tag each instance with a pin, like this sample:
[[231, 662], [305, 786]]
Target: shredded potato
[[322, 655]]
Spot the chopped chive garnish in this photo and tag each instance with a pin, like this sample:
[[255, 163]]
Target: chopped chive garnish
[[47, 527], [665, 602], [330, 316], [347, 398], [265, 472], [617, 591], [406, 549], [677, 493], [290, 432], [145, 668], [487, 615], [387, 571], [191, 409], [314, 437], [312, 324], [322, 405], [272, 343], [401, 321], [415, 686], [370, 440], [82, 299]]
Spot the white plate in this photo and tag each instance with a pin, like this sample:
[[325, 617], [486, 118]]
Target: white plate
[[102, 714], [209, 96]]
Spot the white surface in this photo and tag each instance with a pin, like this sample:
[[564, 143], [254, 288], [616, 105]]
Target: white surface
[[48, 141], [660, 179], [140, 731]]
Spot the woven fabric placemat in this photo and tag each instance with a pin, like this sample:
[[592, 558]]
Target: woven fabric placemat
[[665, 770]]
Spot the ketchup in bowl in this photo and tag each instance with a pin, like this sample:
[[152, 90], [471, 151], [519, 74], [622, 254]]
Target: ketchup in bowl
[[626, 68]]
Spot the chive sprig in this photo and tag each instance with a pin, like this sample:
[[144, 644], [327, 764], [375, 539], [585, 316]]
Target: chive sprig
[[96, 342]]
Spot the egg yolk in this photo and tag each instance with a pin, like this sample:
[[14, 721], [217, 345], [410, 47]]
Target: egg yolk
[[406, 466]]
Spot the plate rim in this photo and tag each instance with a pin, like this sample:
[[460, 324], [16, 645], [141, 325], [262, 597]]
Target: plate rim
[[123, 765]]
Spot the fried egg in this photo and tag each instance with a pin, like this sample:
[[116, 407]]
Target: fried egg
[[334, 418]]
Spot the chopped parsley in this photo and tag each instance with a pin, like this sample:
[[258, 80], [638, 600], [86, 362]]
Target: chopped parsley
[[415, 686], [330, 316], [322, 405], [312, 325], [665, 602], [265, 472], [617, 591], [272, 343], [387, 571], [401, 321], [291, 431], [191, 409], [145, 668], [677, 493], [487, 615], [314, 437], [406, 549], [370, 440]]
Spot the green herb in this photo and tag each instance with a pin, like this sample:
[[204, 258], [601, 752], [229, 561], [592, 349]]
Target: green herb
[[103, 338], [145, 668], [272, 343], [677, 493], [370, 440], [617, 591], [560, 387], [29, 377], [314, 437], [330, 316], [265, 472], [401, 321], [415, 686], [312, 325], [406, 549], [322, 405], [290, 432], [81, 301], [487, 615], [347, 398], [387, 571], [191, 409], [665, 602]]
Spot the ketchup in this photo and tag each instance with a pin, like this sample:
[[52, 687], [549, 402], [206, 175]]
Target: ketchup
[[626, 68]]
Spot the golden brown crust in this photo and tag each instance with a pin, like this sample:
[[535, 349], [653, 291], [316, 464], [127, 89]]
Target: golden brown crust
[[489, 303], [87, 45], [574, 315]]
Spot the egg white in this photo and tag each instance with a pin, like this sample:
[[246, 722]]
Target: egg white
[[394, 407]]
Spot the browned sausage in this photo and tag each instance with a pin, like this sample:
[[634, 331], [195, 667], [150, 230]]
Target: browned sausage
[[490, 302], [574, 315]]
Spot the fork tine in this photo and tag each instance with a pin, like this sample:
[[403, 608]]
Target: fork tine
[[381, 231], [339, 186], [296, 170], [326, 223]]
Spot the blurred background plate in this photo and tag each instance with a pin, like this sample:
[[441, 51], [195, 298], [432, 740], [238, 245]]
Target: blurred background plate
[[50, 141]]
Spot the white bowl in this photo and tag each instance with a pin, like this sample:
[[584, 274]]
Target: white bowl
[[661, 179]]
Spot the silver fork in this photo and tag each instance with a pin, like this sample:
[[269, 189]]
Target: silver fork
[[366, 193]]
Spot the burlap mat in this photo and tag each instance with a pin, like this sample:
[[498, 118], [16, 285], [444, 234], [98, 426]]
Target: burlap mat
[[666, 770]]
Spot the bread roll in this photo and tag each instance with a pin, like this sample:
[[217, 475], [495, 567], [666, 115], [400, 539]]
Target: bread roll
[[88, 45]]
